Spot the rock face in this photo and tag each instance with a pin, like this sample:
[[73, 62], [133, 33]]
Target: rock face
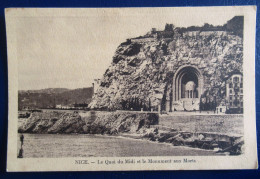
[[144, 67], [121, 122], [53, 122], [208, 141], [97, 123]]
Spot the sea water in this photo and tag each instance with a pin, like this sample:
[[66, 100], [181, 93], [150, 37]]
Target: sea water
[[84, 145]]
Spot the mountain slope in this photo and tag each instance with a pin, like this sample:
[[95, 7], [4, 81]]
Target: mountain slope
[[48, 98]]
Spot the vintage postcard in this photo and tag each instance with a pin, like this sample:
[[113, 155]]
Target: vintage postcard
[[108, 89]]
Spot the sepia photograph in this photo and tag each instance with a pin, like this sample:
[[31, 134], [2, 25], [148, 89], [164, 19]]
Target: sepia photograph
[[133, 82]]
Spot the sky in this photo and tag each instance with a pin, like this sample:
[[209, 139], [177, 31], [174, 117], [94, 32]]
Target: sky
[[70, 50]]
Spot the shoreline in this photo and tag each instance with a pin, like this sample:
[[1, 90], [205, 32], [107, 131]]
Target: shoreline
[[140, 146], [215, 133], [133, 137]]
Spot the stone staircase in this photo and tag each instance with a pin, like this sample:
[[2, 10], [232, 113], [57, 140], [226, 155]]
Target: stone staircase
[[178, 106], [186, 104]]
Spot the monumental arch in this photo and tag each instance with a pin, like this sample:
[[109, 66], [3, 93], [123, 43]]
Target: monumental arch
[[187, 87]]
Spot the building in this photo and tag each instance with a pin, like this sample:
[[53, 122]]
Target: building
[[234, 93], [58, 106], [96, 84], [221, 109]]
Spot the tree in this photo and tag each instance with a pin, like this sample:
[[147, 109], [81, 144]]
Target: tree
[[169, 27], [149, 105], [201, 104], [124, 104]]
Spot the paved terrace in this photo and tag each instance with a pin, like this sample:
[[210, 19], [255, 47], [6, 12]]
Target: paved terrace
[[227, 124]]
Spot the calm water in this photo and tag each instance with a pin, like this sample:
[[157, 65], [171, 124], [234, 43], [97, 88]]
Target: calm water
[[82, 145]]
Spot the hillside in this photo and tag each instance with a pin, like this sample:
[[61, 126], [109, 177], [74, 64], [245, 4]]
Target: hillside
[[47, 90], [48, 98]]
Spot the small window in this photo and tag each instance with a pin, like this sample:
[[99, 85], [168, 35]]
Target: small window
[[241, 104], [230, 97], [241, 85], [230, 85], [235, 79], [236, 102], [220, 109], [230, 91], [241, 91], [230, 103]]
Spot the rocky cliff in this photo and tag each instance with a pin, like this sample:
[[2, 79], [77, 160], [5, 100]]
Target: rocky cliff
[[121, 122], [144, 67], [53, 122]]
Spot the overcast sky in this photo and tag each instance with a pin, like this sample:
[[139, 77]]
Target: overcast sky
[[71, 51]]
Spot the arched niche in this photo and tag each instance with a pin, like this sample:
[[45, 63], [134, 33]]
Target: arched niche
[[183, 78]]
